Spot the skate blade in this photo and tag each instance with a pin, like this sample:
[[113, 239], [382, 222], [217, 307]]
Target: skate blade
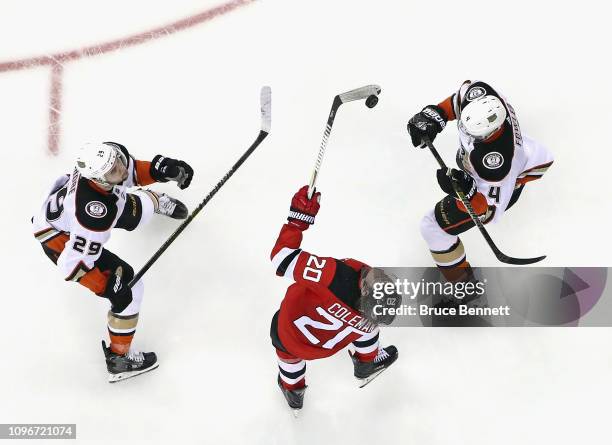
[[296, 412], [364, 382], [114, 378]]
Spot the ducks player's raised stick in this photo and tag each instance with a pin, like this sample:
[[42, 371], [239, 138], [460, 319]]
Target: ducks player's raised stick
[[369, 93], [266, 122]]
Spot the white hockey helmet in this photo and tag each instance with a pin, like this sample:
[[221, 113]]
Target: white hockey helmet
[[102, 162], [482, 117]]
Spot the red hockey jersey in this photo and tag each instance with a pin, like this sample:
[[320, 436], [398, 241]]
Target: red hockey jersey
[[317, 317]]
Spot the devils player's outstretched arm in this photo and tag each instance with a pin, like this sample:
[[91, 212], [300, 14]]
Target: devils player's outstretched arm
[[303, 267], [286, 250], [291, 261], [287, 256]]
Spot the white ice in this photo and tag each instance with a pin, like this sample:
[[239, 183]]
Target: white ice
[[209, 299]]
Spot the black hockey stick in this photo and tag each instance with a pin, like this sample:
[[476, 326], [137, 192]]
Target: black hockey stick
[[266, 118], [498, 253], [369, 93]]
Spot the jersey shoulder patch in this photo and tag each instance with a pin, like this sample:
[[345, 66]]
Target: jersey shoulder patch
[[471, 91], [94, 210], [493, 160]]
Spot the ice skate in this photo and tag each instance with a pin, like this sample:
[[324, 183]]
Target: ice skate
[[123, 367], [168, 206], [294, 397], [365, 372]]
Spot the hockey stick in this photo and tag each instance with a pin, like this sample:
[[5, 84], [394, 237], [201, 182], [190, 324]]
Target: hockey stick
[[370, 93], [498, 253], [266, 120]]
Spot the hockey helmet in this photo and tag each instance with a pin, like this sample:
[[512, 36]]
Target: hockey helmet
[[376, 302], [102, 162], [482, 117]]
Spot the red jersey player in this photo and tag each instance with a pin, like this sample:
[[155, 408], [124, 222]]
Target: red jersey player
[[330, 306]]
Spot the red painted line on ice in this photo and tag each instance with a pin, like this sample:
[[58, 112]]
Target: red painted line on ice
[[55, 108], [56, 61], [125, 42]]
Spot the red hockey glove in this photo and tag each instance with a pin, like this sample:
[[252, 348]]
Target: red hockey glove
[[303, 210]]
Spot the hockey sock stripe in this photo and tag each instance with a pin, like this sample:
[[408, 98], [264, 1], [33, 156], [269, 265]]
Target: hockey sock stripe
[[451, 257], [122, 317], [450, 249], [292, 381], [368, 349], [119, 333], [121, 330], [121, 323], [458, 263], [459, 272], [120, 343], [366, 343], [292, 368], [294, 376], [370, 335]]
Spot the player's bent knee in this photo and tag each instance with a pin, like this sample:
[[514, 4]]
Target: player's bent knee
[[435, 237], [429, 226], [135, 304]]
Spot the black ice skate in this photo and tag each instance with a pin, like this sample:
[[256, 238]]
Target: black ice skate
[[294, 397], [123, 367], [365, 372], [168, 206]]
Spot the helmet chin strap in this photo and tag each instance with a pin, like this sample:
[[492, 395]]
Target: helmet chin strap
[[493, 136], [103, 184]]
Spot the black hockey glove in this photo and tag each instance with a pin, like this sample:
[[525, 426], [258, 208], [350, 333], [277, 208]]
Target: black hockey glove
[[427, 123], [465, 182], [167, 169], [117, 291]]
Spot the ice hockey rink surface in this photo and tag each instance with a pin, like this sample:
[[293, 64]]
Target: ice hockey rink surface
[[193, 93]]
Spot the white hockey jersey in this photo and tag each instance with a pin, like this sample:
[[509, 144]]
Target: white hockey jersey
[[76, 218], [501, 165]]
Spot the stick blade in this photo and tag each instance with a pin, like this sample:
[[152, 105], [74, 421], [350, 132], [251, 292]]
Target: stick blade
[[519, 261], [360, 93], [266, 109]]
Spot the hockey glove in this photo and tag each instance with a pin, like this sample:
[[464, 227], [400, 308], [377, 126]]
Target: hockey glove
[[117, 291], [167, 169], [303, 210], [465, 182], [427, 123]]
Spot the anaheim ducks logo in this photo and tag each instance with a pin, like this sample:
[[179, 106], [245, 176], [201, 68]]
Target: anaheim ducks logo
[[493, 160], [475, 93], [96, 209]]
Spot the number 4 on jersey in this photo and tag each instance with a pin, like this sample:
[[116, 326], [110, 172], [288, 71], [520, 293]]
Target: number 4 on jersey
[[494, 193]]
